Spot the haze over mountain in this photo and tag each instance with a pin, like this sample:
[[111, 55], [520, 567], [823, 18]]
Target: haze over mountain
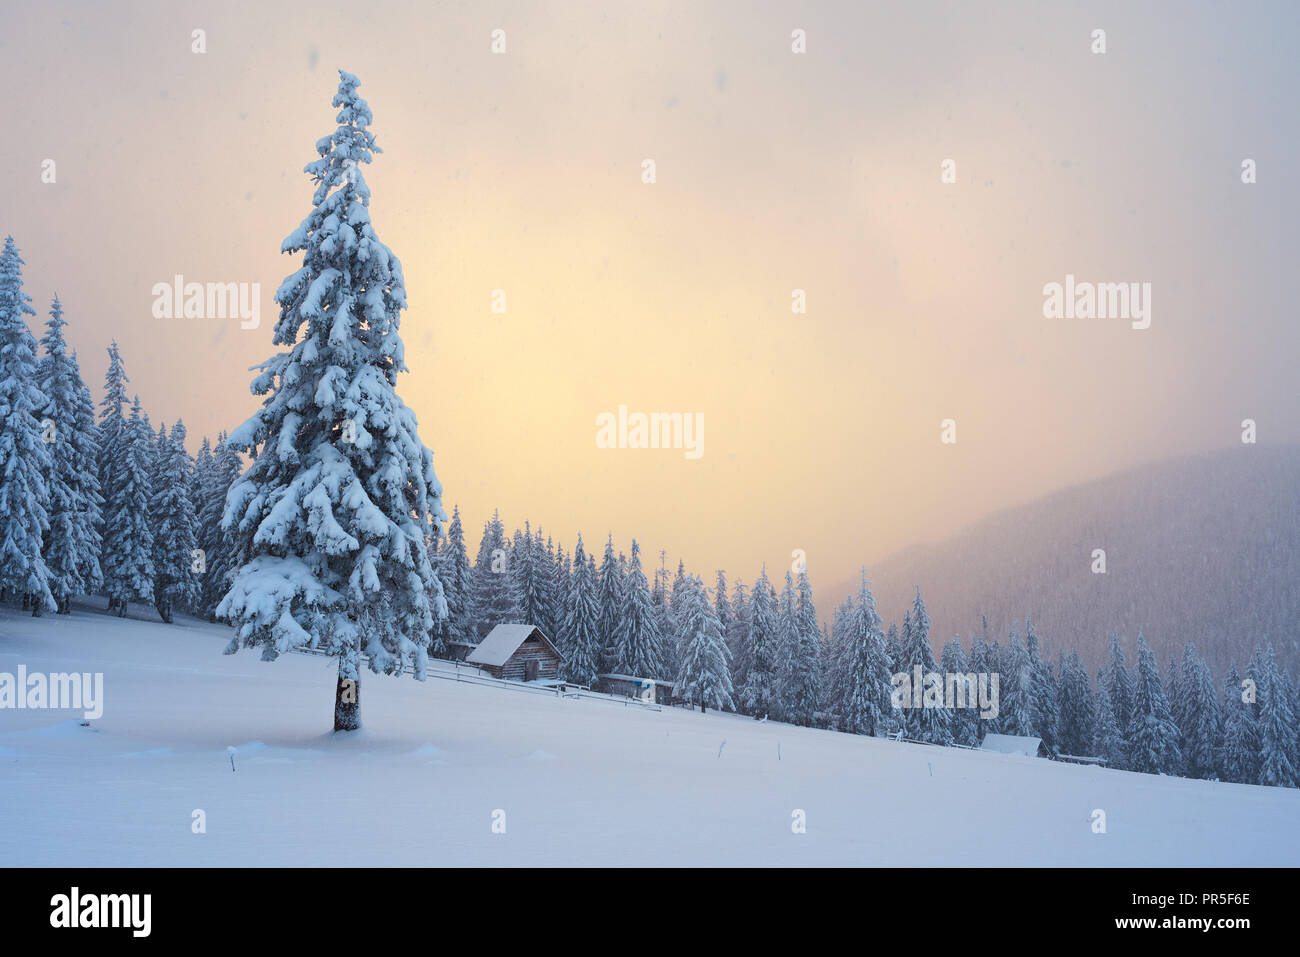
[[1203, 549]]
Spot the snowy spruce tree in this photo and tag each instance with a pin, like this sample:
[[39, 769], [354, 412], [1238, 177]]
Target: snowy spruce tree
[[110, 433], [1240, 757], [866, 702], [801, 668], [1152, 735], [25, 457], [704, 676], [175, 526], [1200, 719], [330, 518], [610, 599], [1277, 726], [965, 721], [1117, 681], [581, 642], [494, 595], [983, 662], [457, 577], [933, 724], [759, 695], [128, 532], [73, 543], [738, 637], [1076, 706], [1042, 692], [1107, 741], [218, 559], [637, 643]]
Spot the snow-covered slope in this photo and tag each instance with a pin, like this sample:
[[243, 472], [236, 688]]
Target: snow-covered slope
[[580, 781]]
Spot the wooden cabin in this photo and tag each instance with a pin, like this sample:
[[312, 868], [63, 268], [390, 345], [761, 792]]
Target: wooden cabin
[[517, 653]]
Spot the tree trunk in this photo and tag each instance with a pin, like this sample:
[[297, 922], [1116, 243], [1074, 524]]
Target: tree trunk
[[164, 611], [347, 698], [66, 607], [121, 609], [37, 605], [703, 706]]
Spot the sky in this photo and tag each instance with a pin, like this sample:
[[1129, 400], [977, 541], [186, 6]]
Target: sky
[[775, 171]]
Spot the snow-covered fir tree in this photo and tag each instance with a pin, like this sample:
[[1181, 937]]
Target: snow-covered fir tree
[[801, 665], [965, 721], [1240, 759], [738, 639], [1107, 741], [1042, 692], [175, 527], [331, 515], [1015, 711], [610, 599], [457, 577], [866, 699], [931, 724], [128, 531], [219, 558], [637, 649], [110, 433], [1152, 735], [704, 677], [1277, 724], [982, 662], [1200, 720], [73, 543], [1117, 681], [581, 643], [532, 581], [1076, 707], [25, 457], [758, 696], [494, 597]]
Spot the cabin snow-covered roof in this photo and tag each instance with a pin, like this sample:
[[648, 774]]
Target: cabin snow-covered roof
[[503, 641], [1011, 744]]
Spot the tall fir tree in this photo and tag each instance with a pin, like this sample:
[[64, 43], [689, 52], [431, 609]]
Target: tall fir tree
[[457, 577], [705, 674], [1152, 735], [1076, 707], [175, 527], [1107, 740], [982, 662], [611, 605], [218, 560], [1117, 681], [738, 639], [930, 722], [581, 645], [866, 700], [1240, 760], [1200, 720], [1277, 722], [73, 544], [1015, 711], [801, 669], [637, 648], [759, 694], [494, 597], [331, 516], [110, 436], [128, 532], [965, 720], [1042, 692], [25, 457]]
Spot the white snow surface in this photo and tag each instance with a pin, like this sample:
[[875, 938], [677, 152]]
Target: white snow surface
[[581, 781]]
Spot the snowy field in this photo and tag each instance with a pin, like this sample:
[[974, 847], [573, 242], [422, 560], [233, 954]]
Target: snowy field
[[581, 782]]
